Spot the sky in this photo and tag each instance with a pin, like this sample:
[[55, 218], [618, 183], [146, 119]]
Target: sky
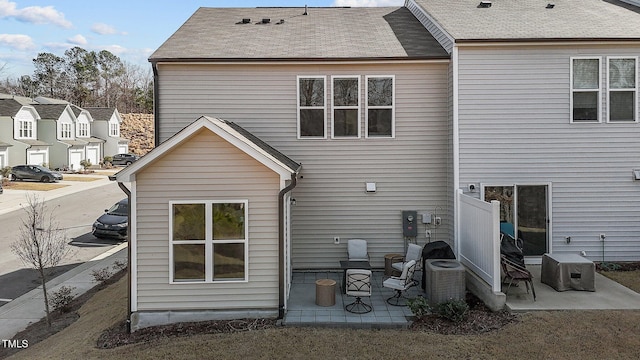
[[130, 29]]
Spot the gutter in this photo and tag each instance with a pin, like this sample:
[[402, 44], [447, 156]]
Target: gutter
[[128, 193], [281, 245], [156, 106]]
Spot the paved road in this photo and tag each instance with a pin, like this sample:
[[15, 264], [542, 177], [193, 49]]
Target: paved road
[[75, 214]]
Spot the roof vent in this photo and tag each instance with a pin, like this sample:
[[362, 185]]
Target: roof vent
[[305, 10], [246, 20], [550, 6], [280, 22], [265, 21], [484, 4]]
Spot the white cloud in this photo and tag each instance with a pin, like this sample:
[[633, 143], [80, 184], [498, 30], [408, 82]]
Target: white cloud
[[17, 41], [356, 3], [78, 40], [33, 14], [104, 29]]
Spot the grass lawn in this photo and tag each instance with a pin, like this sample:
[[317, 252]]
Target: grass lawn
[[81, 178], [538, 335], [32, 186]]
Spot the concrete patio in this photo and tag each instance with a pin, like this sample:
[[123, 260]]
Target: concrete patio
[[609, 295], [303, 311]]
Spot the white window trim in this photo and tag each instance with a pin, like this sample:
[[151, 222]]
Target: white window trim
[[609, 90], [80, 132], [64, 131], [323, 107], [208, 242], [367, 107], [599, 120], [19, 131], [114, 129], [334, 107]]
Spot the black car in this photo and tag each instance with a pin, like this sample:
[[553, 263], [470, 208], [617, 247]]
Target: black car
[[34, 172], [1, 187], [124, 159], [114, 222]]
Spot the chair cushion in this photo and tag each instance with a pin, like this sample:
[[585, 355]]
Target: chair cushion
[[358, 282], [357, 250]]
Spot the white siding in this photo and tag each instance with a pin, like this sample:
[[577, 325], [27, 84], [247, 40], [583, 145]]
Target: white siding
[[410, 170], [206, 168], [514, 127]]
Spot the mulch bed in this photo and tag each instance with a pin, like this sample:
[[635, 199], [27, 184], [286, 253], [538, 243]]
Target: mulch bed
[[618, 266]]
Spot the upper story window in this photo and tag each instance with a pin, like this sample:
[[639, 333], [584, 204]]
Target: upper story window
[[65, 131], [346, 107], [82, 129], [380, 113], [585, 90], [114, 129], [25, 129], [622, 95], [312, 110], [208, 241]]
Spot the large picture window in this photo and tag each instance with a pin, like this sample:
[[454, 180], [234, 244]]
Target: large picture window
[[208, 241], [346, 106], [622, 89], [585, 90], [380, 115], [312, 107]]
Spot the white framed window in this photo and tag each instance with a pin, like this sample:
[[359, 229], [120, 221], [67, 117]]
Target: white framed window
[[622, 89], [114, 129], [345, 120], [380, 106], [586, 89], [208, 241], [25, 129], [65, 131], [312, 107], [82, 129]]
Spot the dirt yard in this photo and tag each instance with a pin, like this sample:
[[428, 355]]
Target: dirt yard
[[540, 335]]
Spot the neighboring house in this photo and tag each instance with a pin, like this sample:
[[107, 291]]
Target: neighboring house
[[545, 117], [58, 127], [386, 109], [85, 132], [19, 142], [106, 125], [353, 104]]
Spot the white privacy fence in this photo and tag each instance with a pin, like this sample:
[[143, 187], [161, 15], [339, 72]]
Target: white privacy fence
[[479, 237]]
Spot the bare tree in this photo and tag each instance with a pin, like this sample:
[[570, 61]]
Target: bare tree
[[41, 244]]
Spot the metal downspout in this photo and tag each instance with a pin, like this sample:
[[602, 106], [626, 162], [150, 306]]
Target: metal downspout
[[156, 107], [281, 244], [128, 193]]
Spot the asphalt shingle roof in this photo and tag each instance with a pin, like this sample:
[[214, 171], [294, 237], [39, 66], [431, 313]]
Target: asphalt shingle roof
[[101, 113], [50, 111], [534, 20], [325, 33], [9, 107]]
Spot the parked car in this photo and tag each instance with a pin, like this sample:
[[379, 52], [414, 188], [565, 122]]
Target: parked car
[[34, 172], [124, 159], [1, 187], [114, 222]]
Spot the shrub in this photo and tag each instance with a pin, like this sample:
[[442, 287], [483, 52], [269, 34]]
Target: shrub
[[119, 265], [101, 275], [6, 173], [454, 310], [419, 306], [86, 163], [61, 299]]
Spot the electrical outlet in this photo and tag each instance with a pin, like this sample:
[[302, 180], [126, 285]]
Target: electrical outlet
[[437, 220], [428, 234], [336, 240]]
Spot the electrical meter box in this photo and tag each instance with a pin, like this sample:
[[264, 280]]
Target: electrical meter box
[[410, 223]]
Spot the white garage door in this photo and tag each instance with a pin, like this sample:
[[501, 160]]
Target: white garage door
[[36, 158], [3, 160], [123, 149], [92, 155], [74, 159]]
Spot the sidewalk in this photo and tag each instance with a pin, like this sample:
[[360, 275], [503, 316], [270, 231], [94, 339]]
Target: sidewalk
[[12, 200], [28, 308]]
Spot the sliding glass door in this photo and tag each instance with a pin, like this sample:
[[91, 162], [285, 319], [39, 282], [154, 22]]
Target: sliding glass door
[[524, 211]]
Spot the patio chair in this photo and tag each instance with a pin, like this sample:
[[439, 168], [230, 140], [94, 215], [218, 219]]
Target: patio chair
[[401, 284], [358, 285], [414, 252], [357, 250], [516, 273]]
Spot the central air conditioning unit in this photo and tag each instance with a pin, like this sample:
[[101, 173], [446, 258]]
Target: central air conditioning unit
[[444, 280]]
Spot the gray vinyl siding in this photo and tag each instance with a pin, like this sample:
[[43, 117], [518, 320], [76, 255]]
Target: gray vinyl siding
[[443, 38], [206, 168], [410, 170], [514, 114], [17, 152]]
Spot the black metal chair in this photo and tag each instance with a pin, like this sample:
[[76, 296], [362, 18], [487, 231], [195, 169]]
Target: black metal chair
[[401, 283], [358, 285]]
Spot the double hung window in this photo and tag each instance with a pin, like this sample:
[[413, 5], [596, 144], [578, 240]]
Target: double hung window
[[585, 90], [65, 131], [208, 241], [346, 106], [622, 89], [312, 107], [380, 115]]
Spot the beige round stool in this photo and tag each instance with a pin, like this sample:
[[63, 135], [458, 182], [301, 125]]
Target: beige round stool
[[325, 292]]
